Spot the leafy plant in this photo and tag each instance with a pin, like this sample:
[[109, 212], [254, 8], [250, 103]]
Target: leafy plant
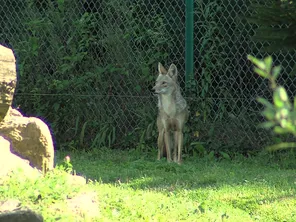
[[281, 114], [105, 137], [67, 165], [209, 50], [79, 70]]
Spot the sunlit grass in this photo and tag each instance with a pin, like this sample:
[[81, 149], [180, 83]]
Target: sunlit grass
[[134, 187]]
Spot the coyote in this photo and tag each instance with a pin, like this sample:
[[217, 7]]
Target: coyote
[[173, 113]]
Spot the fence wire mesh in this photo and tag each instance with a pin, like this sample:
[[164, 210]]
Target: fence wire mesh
[[87, 68]]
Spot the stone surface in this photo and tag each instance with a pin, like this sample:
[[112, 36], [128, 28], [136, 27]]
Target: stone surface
[[10, 162], [30, 138], [8, 79], [76, 180], [9, 205], [20, 216], [12, 211], [84, 204]]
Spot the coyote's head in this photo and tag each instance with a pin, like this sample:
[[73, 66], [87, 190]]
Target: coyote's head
[[166, 80]]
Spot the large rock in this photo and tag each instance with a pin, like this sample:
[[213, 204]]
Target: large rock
[[20, 137], [21, 216], [30, 138], [10, 162], [84, 204], [7, 79], [11, 211]]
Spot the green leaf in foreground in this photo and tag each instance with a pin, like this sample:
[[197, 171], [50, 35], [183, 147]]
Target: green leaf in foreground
[[261, 72], [267, 125], [276, 71], [268, 64], [265, 102], [260, 64], [280, 146]]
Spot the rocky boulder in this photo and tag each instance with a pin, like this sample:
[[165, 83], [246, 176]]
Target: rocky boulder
[[30, 138], [11, 211], [24, 141], [10, 162], [7, 79]]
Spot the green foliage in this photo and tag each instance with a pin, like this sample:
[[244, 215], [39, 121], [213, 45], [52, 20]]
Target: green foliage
[[207, 90], [143, 137], [71, 71], [276, 24], [66, 165], [281, 114], [221, 80], [210, 42], [86, 68]]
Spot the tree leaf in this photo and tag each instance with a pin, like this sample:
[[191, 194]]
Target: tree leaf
[[275, 72], [265, 102], [261, 72], [267, 125], [268, 64], [260, 64], [280, 146]]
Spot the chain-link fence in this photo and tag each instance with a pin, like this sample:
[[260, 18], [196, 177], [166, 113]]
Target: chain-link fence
[[87, 67]]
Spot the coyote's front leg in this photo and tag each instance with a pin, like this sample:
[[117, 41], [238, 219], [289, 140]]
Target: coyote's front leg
[[180, 146], [160, 143], [167, 145], [175, 153]]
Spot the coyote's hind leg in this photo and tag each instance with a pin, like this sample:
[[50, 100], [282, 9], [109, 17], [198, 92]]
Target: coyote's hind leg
[[160, 144]]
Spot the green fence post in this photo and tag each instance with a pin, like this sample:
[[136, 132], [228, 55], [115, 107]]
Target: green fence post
[[189, 13]]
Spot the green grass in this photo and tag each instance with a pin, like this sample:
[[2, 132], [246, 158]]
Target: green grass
[[134, 187]]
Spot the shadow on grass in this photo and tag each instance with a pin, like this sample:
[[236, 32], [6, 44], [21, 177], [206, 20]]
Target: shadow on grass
[[139, 171]]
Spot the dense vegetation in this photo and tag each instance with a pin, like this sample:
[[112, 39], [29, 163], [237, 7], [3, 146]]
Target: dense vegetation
[[87, 68]]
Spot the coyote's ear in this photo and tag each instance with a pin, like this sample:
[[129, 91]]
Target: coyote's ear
[[161, 69], [173, 72]]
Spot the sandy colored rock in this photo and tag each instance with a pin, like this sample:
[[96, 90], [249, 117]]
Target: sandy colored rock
[[21, 216], [10, 162], [30, 139], [9, 205], [84, 204], [7, 79], [12, 210], [76, 180]]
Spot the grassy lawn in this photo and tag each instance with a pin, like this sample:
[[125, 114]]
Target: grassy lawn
[[132, 187]]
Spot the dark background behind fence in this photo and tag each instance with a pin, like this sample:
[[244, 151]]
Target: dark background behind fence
[[87, 69]]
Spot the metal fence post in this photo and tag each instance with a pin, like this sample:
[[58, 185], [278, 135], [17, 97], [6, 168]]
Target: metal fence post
[[189, 41]]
